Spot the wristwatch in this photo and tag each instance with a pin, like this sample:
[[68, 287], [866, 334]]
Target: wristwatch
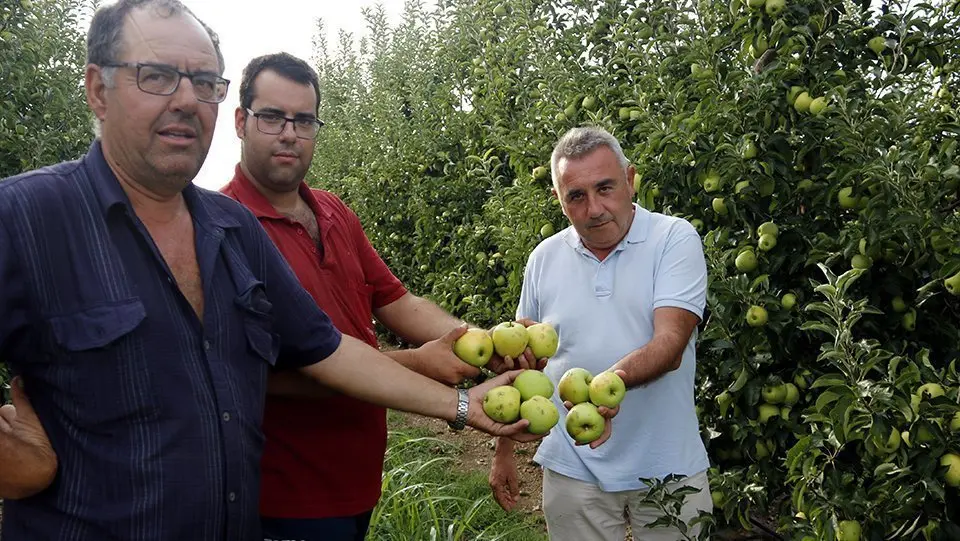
[[463, 402]]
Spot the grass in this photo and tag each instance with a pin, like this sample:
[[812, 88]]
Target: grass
[[426, 496]]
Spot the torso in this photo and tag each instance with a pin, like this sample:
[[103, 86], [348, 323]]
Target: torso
[[177, 245], [303, 215]]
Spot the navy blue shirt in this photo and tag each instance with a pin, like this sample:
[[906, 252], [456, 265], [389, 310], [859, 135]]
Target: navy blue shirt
[[154, 415]]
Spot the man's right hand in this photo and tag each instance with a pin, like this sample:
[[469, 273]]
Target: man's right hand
[[19, 423], [438, 361], [503, 479], [526, 361]]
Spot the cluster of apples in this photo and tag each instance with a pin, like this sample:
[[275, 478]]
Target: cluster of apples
[[508, 339], [586, 392], [528, 398]]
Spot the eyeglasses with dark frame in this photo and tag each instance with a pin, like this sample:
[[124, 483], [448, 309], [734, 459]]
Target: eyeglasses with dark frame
[[164, 80], [272, 123]]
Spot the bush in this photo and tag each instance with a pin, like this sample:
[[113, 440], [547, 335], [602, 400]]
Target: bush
[[439, 131]]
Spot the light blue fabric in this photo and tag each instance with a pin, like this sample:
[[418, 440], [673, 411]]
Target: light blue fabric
[[603, 311]]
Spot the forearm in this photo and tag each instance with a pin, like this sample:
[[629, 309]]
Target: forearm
[[362, 372], [416, 320], [504, 447], [25, 469], [408, 358], [660, 356]]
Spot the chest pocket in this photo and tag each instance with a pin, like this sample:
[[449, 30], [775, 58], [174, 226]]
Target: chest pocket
[[97, 327], [257, 313]]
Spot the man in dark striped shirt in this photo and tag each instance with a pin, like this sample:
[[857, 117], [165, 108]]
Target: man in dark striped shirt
[[142, 313]]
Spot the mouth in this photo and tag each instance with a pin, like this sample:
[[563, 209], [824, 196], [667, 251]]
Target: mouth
[[178, 134], [286, 157]]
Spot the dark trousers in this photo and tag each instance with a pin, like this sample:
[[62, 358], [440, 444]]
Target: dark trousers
[[322, 529]]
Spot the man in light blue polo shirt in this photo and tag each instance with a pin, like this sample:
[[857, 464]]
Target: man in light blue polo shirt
[[625, 288]]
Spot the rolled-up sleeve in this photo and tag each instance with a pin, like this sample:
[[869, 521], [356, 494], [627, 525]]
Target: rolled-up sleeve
[[681, 278], [306, 333]]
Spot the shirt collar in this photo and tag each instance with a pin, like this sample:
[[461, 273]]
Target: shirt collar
[[248, 194], [110, 194], [639, 228]]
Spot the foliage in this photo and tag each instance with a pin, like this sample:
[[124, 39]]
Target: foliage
[[437, 128]]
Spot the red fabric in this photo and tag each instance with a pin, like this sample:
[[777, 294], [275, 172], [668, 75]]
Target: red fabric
[[324, 457]]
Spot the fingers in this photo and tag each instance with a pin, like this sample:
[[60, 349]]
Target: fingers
[[20, 400], [7, 414], [526, 322], [542, 363], [453, 334], [468, 371], [509, 363], [568, 404], [607, 429], [608, 413]]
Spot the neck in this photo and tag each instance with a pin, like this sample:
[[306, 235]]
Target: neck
[[282, 201], [149, 205]]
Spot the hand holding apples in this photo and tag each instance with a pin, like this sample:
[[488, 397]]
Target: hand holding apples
[[541, 343], [592, 402], [503, 404], [439, 361]]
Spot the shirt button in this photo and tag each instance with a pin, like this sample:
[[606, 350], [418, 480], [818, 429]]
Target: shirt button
[[232, 496], [206, 345], [226, 416], [300, 232]]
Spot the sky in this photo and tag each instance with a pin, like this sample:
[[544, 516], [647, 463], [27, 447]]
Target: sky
[[250, 28]]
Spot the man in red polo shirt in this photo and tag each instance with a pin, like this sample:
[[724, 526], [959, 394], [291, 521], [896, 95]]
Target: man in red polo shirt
[[321, 481]]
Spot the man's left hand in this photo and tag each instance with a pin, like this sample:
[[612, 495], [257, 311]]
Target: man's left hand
[[526, 361], [439, 363], [608, 415], [478, 419]]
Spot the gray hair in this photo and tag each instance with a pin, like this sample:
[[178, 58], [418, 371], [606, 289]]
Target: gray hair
[[579, 142], [105, 36]]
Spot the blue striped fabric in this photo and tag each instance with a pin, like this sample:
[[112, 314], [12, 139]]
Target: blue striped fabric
[[154, 415]]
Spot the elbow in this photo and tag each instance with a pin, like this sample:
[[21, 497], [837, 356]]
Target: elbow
[[33, 482], [675, 364]]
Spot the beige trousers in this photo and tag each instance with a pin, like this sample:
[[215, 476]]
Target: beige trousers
[[579, 511]]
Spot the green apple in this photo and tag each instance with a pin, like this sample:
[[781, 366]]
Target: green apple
[[774, 394], [541, 412], [510, 339], [846, 199], [785, 413], [767, 242], [802, 103], [893, 441], [767, 412], [793, 93], [636, 114], [788, 301], [898, 304], [849, 530], [718, 499], [542, 340], [711, 182], [818, 105], [952, 284], [546, 230], [756, 316], [952, 462], [860, 261], [756, 4], [800, 380], [761, 450], [749, 150], [746, 261], [805, 184], [584, 423], [930, 390], [792, 395], [768, 228], [909, 320], [607, 389], [955, 422], [697, 224], [877, 44], [589, 103], [533, 383], [574, 386], [740, 186], [624, 114], [502, 404], [719, 206], [475, 347], [540, 173], [775, 7]]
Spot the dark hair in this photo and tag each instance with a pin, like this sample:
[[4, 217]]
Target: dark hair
[[284, 64], [106, 29]]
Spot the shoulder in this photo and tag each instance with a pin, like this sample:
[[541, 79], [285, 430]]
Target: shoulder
[[225, 205], [553, 246], [331, 202], [671, 228], [40, 184]]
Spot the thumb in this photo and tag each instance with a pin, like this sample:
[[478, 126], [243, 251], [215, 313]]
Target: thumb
[[20, 400], [454, 334]]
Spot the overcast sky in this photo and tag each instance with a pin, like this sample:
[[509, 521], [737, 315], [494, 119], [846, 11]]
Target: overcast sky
[[249, 28]]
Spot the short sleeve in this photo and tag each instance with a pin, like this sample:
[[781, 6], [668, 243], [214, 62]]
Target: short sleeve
[[529, 305], [386, 286], [681, 277]]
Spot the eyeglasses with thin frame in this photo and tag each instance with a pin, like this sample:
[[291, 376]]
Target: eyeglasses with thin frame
[[164, 80], [272, 123]]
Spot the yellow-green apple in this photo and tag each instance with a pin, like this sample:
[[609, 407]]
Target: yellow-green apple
[[607, 389], [774, 394], [475, 347], [952, 284], [877, 44], [546, 230], [802, 103], [767, 412], [800, 380], [893, 441], [584, 423], [757, 316], [898, 304], [788, 301], [767, 242], [909, 319], [792, 395], [718, 499], [768, 228], [711, 182], [746, 261], [542, 340], [502, 404], [793, 93], [846, 199], [818, 105], [860, 261], [952, 462], [849, 530], [955, 422], [533, 383], [774, 7], [541, 412], [574, 386], [719, 206], [510, 339]]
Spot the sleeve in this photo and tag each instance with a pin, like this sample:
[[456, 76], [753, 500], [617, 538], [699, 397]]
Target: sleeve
[[681, 277], [13, 309], [306, 333], [529, 306], [386, 286]]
